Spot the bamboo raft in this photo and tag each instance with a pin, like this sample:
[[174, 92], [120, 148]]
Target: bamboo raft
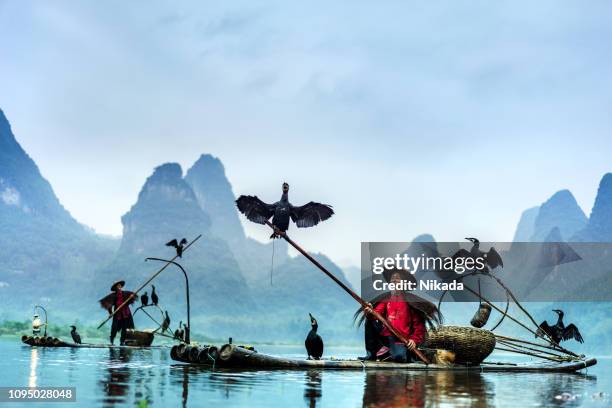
[[54, 342], [232, 356]]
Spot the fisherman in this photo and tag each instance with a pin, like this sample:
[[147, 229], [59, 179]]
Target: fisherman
[[122, 320], [406, 313]]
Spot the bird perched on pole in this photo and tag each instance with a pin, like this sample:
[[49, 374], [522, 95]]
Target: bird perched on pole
[[166, 323], [282, 211], [559, 332], [314, 342], [178, 246], [76, 337], [154, 297], [492, 258], [179, 334], [144, 299]]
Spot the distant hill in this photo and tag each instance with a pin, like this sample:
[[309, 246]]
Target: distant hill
[[45, 254]]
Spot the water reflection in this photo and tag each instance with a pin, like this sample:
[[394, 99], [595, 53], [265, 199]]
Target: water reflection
[[33, 365], [312, 388], [116, 384], [573, 386], [400, 389]]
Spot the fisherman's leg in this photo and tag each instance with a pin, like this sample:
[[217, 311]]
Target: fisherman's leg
[[124, 325], [373, 341], [397, 350], [113, 333]]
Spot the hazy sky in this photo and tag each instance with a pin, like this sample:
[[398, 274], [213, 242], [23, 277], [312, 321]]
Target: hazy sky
[[409, 117]]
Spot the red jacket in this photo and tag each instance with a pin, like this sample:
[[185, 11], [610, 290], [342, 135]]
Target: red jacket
[[402, 317]]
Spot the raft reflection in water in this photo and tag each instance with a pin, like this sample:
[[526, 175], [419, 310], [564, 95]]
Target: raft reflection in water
[[391, 388]]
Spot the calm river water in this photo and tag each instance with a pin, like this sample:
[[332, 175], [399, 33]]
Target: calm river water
[[106, 378]]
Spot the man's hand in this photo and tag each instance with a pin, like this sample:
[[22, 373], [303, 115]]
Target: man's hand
[[367, 309], [411, 345]]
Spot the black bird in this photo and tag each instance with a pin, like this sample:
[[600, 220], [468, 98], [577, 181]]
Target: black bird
[[282, 211], [178, 245], [314, 342], [492, 258], [559, 332], [179, 333], [166, 323], [144, 299], [154, 297], [76, 337]]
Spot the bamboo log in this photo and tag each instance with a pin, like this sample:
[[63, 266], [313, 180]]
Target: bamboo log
[[348, 290], [194, 352], [534, 344]]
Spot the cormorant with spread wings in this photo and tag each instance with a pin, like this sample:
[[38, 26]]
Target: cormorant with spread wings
[[559, 332], [492, 258], [282, 211]]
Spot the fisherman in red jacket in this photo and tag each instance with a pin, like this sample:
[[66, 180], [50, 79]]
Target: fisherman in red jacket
[[122, 320], [407, 318]]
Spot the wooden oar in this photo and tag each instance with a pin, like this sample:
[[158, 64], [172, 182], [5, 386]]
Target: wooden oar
[[133, 295], [348, 290]]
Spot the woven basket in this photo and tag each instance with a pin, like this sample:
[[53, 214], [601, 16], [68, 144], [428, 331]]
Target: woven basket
[[471, 346]]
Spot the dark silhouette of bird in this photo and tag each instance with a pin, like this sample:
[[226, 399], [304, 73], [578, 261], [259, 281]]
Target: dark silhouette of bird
[[559, 332], [144, 299], [178, 245], [491, 258], [282, 211], [154, 297], [166, 323], [314, 342], [76, 337], [179, 333]]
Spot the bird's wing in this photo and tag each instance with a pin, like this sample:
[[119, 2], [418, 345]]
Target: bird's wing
[[310, 214], [494, 259], [172, 243], [544, 328], [571, 332], [462, 253], [183, 241], [255, 209]]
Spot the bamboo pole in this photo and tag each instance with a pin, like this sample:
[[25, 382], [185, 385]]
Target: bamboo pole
[[558, 360], [533, 344], [508, 343], [133, 295], [348, 290]]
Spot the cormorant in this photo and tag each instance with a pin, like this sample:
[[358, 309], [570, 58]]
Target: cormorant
[[314, 342], [166, 323], [492, 258], [178, 245], [154, 297], [307, 215], [76, 337], [559, 332], [179, 333], [144, 299]]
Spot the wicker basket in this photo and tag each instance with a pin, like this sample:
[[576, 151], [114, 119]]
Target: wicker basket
[[138, 338], [471, 346]]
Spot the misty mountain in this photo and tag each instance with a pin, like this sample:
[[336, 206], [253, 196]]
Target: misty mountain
[[526, 224], [44, 251], [599, 226], [559, 211]]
